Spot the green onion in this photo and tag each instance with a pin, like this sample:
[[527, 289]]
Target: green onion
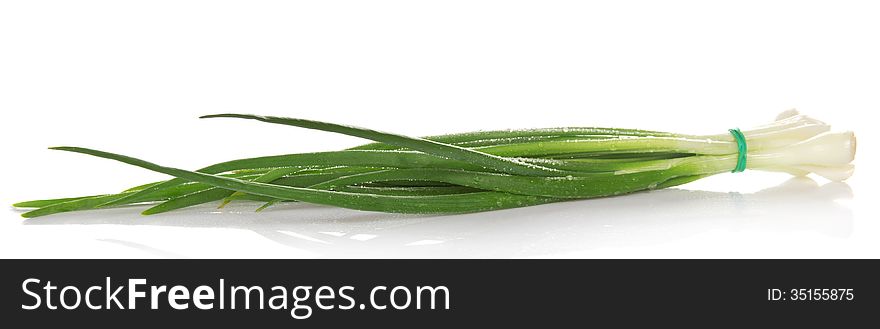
[[479, 171]]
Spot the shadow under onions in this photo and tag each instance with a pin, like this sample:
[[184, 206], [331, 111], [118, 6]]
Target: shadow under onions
[[649, 218]]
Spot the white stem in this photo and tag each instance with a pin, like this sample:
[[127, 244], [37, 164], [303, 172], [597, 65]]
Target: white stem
[[800, 145], [828, 149]]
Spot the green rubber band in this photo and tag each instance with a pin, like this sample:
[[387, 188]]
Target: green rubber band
[[742, 150]]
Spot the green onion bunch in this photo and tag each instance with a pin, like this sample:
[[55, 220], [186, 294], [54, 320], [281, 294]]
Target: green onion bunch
[[477, 171]]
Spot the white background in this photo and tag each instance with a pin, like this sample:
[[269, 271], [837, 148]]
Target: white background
[[132, 77]]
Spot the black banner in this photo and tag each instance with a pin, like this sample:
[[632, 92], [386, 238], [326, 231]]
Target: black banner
[[414, 293]]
